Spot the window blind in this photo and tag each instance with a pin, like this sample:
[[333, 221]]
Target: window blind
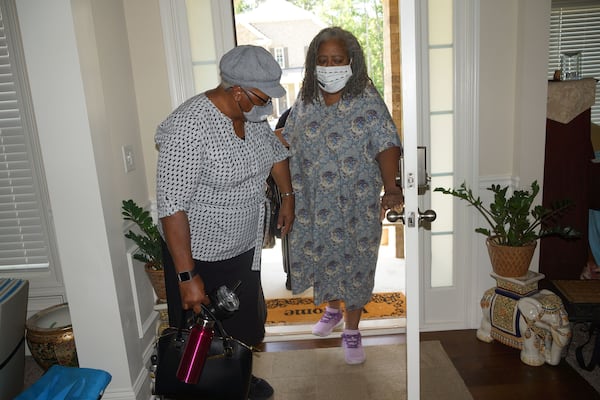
[[24, 242], [575, 26]]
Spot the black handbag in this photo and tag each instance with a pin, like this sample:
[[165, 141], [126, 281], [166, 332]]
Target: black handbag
[[226, 374], [271, 231]]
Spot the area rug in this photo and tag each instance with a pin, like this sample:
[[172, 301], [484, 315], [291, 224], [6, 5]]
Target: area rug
[[320, 374], [302, 310]]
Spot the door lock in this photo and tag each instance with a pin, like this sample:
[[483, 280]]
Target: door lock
[[428, 215], [422, 178]]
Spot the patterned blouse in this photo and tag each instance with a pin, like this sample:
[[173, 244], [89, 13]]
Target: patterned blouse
[[217, 178]]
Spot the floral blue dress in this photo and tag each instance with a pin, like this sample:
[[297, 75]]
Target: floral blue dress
[[335, 239]]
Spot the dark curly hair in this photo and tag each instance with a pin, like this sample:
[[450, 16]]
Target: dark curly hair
[[359, 79]]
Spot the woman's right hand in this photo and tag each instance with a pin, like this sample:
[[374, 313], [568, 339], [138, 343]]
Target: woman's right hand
[[193, 294]]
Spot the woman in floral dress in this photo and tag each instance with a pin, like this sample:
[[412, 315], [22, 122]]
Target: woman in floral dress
[[344, 149]]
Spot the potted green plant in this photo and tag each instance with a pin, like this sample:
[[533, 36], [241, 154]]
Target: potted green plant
[[515, 224], [149, 244]]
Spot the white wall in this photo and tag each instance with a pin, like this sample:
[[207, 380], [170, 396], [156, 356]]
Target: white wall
[[498, 52], [81, 79], [531, 91], [513, 60], [150, 78]]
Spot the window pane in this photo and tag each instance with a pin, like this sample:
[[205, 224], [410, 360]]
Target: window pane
[[442, 204], [441, 261], [205, 77], [24, 238], [440, 22], [201, 30], [441, 77], [441, 118], [202, 49], [442, 134], [279, 55]]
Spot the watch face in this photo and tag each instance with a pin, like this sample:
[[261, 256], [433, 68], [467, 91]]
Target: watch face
[[185, 276]]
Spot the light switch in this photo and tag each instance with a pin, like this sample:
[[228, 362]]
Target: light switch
[[128, 159]]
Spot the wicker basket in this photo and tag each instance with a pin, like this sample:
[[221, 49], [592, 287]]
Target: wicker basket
[[157, 279], [510, 261]]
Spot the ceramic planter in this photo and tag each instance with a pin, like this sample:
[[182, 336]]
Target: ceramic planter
[[510, 261], [157, 278]]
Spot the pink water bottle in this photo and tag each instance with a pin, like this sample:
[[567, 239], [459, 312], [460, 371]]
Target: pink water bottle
[[196, 351]]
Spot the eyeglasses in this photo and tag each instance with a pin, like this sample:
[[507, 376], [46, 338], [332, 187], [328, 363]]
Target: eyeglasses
[[265, 101]]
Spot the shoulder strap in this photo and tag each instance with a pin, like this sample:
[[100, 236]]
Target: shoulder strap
[[595, 359]]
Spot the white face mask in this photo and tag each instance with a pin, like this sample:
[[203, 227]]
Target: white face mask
[[333, 79], [258, 113]]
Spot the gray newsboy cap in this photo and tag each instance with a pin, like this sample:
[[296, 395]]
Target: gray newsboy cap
[[252, 67]]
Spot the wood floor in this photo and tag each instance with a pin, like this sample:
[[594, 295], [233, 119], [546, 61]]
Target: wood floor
[[490, 370]]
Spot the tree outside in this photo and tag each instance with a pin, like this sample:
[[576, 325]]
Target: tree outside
[[364, 18]]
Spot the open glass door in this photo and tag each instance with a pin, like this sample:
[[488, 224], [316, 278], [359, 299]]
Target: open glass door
[[409, 35]]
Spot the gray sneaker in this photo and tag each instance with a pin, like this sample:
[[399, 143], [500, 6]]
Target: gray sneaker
[[259, 389]]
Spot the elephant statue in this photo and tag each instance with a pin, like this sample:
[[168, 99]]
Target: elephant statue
[[537, 324]]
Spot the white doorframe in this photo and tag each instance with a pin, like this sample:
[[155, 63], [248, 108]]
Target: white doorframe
[[466, 153], [411, 115], [177, 43], [452, 306], [413, 24]]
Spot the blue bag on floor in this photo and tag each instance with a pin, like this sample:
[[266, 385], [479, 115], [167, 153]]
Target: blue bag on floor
[[68, 383]]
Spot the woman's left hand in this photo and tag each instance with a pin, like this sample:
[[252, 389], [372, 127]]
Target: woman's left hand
[[286, 215]]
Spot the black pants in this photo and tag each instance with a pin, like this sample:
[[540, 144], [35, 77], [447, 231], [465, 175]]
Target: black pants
[[248, 323]]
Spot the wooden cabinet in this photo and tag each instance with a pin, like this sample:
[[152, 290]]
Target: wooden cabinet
[[569, 174]]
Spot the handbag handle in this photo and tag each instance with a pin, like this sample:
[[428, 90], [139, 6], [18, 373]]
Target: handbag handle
[[219, 326], [224, 336]]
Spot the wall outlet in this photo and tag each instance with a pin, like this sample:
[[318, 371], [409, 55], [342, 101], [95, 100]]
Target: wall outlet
[[128, 158]]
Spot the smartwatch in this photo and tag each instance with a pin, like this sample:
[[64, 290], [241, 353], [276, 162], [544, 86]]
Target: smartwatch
[[186, 276]]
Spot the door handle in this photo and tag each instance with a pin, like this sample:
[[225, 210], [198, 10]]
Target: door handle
[[428, 215], [394, 216]]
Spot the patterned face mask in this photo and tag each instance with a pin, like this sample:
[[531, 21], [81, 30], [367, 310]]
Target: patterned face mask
[[333, 79]]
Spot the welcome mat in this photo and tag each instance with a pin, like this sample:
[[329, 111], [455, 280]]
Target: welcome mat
[[302, 310]]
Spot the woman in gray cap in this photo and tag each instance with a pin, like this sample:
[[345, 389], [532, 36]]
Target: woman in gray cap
[[344, 149], [215, 153]]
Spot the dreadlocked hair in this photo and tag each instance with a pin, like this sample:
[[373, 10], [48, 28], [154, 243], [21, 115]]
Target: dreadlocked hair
[[359, 79]]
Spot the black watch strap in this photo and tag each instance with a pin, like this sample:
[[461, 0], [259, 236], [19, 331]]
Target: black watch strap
[[186, 276]]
